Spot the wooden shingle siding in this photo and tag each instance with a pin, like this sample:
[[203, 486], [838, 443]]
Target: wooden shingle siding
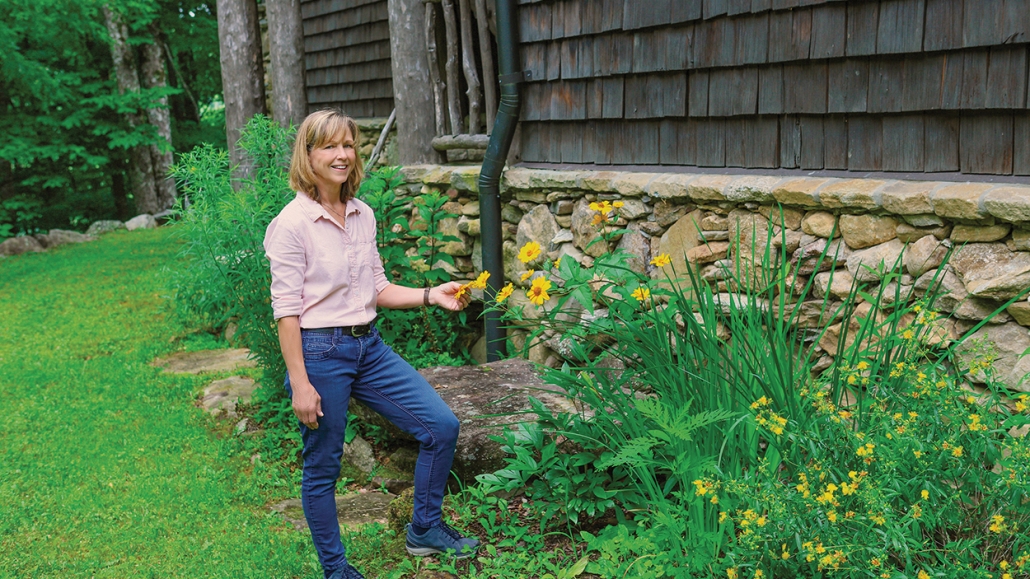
[[863, 85], [347, 56]]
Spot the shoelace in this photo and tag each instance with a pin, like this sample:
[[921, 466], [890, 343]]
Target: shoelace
[[450, 532]]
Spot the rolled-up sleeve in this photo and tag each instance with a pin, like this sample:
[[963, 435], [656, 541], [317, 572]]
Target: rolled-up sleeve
[[285, 252]]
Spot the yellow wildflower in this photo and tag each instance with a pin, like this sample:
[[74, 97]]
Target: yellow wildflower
[[731, 573], [925, 494], [661, 260], [529, 252], [480, 282], [923, 575], [617, 204], [504, 293], [641, 293], [528, 274], [557, 263], [957, 452], [538, 292], [997, 524]]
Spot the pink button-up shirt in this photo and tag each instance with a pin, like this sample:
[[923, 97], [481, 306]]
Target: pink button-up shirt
[[326, 274]]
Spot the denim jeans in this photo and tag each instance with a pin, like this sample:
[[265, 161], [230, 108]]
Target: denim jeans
[[340, 367]]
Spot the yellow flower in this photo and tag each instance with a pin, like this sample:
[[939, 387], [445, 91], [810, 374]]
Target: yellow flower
[[661, 260], [759, 574], [529, 252], [832, 516], [997, 524], [715, 499], [480, 282], [504, 293], [925, 494], [641, 293], [528, 274], [597, 220], [917, 511], [723, 515], [785, 554], [957, 451], [538, 292], [923, 575], [731, 573], [617, 204], [557, 263]]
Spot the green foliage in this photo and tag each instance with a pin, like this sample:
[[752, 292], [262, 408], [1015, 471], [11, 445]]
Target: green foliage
[[65, 134], [701, 418]]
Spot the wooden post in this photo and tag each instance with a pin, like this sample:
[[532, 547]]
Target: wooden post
[[486, 53], [468, 63], [286, 45], [434, 70], [453, 82], [413, 103], [243, 76]]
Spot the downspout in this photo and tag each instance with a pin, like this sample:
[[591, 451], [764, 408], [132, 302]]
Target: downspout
[[509, 75]]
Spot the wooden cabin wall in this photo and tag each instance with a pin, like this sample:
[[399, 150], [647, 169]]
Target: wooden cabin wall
[[347, 56], [863, 85]]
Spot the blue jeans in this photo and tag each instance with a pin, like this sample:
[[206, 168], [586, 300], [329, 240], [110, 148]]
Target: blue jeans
[[340, 367]]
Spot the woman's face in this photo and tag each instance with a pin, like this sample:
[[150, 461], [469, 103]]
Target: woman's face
[[333, 162]]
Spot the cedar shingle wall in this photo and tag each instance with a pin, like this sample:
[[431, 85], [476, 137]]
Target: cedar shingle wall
[[865, 85], [347, 56]]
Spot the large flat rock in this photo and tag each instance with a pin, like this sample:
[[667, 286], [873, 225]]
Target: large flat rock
[[485, 399], [352, 510], [206, 361]]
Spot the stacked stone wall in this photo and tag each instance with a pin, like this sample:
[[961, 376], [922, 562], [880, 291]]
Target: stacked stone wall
[[868, 224]]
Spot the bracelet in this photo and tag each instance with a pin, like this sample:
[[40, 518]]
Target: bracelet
[[425, 298]]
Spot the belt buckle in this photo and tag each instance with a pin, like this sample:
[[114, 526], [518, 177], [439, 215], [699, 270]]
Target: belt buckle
[[358, 331]]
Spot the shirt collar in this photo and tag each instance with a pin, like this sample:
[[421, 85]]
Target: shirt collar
[[313, 209]]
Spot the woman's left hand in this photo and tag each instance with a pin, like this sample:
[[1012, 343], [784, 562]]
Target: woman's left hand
[[443, 296]]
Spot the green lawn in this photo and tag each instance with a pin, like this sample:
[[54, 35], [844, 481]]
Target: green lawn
[[107, 469]]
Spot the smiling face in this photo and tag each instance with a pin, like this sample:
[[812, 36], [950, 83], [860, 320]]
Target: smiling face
[[332, 163]]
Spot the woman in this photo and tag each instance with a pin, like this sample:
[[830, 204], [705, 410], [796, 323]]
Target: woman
[[327, 279]]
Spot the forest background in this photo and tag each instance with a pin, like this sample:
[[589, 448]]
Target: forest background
[[95, 99]]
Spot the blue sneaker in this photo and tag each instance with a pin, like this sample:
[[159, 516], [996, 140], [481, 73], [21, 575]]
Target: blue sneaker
[[439, 539], [346, 572]]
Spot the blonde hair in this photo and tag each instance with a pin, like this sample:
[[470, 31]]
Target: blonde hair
[[319, 128]]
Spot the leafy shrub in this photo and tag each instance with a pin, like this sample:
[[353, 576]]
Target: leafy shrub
[[726, 456]]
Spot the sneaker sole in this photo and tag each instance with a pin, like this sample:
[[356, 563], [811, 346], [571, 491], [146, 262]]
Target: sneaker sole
[[423, 551]]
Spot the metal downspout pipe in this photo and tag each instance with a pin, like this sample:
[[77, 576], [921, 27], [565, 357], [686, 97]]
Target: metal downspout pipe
[[509, 75]]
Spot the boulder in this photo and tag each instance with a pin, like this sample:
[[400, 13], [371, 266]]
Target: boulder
[[861, 231], [782, 216], [634, 209], [142, 221], [353, 510], [953, 298], [638, 248], [585, 231], [709, 252], [820, 254], [61, 237], [464, 244], [1020, 311], [909, 233], [206, 361], [676, 242], [666, 213], [19, 245], [104, 226], [816, 313], [714, 222], [221, 396], [1008, 342], [820, 224], [873, 263], [925, 254], [839, 286], [358, 453], [992, 270], [537, 225], [980, 233], [484, 398]]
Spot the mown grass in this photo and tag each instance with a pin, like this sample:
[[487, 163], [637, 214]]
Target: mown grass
[[107, 469]]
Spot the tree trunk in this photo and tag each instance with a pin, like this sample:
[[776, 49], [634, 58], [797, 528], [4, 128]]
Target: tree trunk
[[141, 168], [243, 76], [439, 87], [154, 76], [413, 103], [453, 82], [286, 44], [486, 52], [468, 63]]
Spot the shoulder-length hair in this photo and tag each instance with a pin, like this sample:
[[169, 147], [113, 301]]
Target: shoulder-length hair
[[319, 128]]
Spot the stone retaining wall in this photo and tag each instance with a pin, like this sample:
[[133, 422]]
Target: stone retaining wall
[[694, 217]]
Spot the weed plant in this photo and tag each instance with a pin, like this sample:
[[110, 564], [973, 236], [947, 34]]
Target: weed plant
[[704, 429]]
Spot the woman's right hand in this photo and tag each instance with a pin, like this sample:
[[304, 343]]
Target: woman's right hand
[[307, 404]]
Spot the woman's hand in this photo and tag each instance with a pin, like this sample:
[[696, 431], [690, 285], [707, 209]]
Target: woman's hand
[[307, 404], [443, 296]]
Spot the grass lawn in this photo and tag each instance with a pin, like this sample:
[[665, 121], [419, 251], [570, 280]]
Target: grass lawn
[[107, 469]]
